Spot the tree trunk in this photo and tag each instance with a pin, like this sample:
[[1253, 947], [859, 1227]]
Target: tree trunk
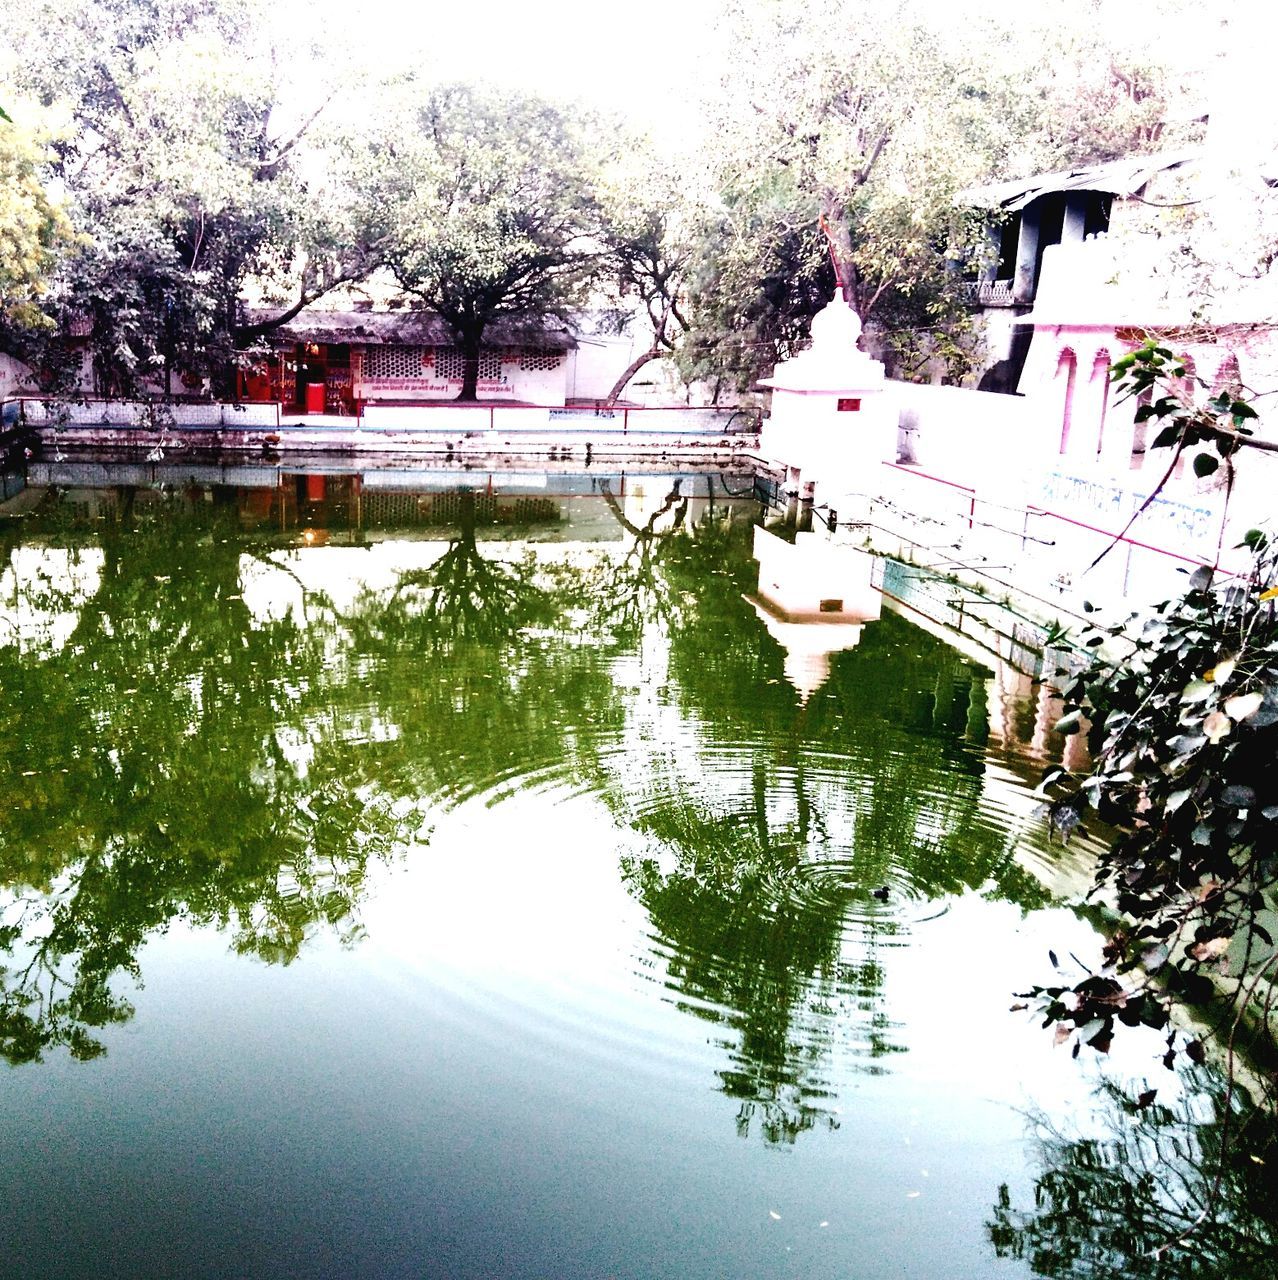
[[839, 239], [470, 369], [631, 369]]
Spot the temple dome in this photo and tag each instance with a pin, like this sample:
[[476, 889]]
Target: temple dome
[[834, 364]]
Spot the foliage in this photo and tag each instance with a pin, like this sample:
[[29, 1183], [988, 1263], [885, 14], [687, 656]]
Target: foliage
[[1159, 380], [1091, 94], [485, 201], [760, 275], [1183, 731], [651, 206], [32, 227], [843, 139], [187, 184], [867, 120], [204, 170]]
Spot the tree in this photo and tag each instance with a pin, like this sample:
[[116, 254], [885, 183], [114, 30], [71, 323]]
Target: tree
[[1091, 93], [191, 181], [32, 227], [840, 143], [652, 207], [486, 201]]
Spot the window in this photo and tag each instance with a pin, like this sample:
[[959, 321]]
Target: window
[[450, 365], [540, 359], [393, 362]]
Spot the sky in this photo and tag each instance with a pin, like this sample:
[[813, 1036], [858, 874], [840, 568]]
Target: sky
[[615, 57], [650, 62]]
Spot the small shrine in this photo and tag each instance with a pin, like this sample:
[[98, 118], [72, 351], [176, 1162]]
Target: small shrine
[[829, 410]]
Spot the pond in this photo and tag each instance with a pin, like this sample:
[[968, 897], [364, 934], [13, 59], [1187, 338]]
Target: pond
[[435, 874]]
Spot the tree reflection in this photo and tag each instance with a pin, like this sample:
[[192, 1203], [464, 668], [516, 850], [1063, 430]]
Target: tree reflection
[[635, 593], [181, 757], [513, 690], [751, 948], [159, 774], [1169, 1193], [465, 596], [762, 890]]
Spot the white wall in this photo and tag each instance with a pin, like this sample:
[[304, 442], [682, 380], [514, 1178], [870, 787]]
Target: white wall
[[964, 435], [532, 386], [15, 378]]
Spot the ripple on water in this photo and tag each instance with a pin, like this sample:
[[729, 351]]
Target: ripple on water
[[774, 882]]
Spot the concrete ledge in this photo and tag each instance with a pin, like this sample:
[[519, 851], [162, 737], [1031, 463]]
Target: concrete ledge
[[311, 437]]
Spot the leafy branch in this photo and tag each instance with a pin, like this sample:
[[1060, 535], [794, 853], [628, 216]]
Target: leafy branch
[[1183, 732], [1217, 428]]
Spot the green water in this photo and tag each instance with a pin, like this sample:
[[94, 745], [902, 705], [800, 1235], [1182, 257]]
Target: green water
[[436, 875]]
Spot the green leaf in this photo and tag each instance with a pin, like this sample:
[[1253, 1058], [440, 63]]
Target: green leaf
[[1197, 691], [1166, 437], [1205, 464]]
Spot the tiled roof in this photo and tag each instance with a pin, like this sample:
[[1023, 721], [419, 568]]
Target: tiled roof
[[406, 329]]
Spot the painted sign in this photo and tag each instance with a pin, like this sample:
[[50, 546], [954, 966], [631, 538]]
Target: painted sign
[[1111, 506], [485, 388]]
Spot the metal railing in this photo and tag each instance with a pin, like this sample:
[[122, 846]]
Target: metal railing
[[1043, 554], [558, 420], [425, 417], [96, 411]]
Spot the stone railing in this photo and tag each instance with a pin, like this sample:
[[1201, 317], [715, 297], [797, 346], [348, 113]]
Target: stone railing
[[993, 293]]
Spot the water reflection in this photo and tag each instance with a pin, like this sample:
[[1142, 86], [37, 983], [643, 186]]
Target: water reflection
[[762, 892], [241, 717], [493, 814], [152, 770], [1169, 1190]]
